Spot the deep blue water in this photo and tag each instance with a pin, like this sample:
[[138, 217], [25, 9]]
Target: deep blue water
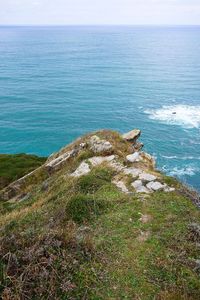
[[57, 83]]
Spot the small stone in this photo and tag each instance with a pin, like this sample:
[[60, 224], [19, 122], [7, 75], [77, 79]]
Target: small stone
[[83, 169], [155, 186], [135, 157], [168, 189], [145, 219], [121, 185], [147, 177], [132, 135], [45, 186], [144, 235]]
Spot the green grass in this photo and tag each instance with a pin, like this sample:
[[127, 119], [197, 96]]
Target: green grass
[[14, 166], [84, 239]]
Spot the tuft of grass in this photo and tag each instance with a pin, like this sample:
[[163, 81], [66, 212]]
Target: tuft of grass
[[95, 180], [83, 208]]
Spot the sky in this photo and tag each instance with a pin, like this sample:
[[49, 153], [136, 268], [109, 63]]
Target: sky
[[70, 12]]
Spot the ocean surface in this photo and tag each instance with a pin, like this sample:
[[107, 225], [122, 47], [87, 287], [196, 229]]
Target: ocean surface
[[57, 83]]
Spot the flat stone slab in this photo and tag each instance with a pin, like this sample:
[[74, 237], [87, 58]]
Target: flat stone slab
[[135, 172], [147, 177], [155, 186], [143, 189], [135, 157], [97, 160], [83, 169], [132, 135], [121, 185], [137, 184], [139, 187]]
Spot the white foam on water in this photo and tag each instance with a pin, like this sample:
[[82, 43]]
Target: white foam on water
[[187, 116], [190, 157], [179, 172]]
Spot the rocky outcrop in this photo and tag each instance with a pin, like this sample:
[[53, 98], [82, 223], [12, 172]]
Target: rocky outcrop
[[98, 145], [132, 135], [128, 164]]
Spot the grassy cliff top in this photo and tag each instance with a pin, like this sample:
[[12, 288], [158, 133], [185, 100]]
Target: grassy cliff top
[[71, 231], [14, 166]]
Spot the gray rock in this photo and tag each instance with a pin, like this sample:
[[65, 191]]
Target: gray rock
[[135, 157], [121, 185], [132, 135], [168, 189], [132, 171], [137, 184], [139, 188], [97, 160], [143, 189], [147, 177], [83, 169], [57, 163], [155, 186], [100, 146]]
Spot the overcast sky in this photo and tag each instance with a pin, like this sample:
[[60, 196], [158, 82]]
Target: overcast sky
[[62, 12]]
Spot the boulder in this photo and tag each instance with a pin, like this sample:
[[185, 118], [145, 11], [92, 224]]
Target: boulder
[[132, 135], [100, 146], [57, 163], [155, 186], [135, 157], [83, 169], [147, 177], [139, 188]]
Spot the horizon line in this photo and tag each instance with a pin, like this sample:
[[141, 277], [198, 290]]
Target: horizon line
[[98, 25]]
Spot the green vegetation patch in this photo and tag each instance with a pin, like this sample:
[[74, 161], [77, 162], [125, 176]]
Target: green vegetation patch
[[14, 166], [95, 180], [83, 208]]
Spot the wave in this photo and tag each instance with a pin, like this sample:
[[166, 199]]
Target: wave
[[179, 172], [187, 116], [182, 157]]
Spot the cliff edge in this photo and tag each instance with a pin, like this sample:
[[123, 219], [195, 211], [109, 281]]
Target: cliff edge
[[98, 221]]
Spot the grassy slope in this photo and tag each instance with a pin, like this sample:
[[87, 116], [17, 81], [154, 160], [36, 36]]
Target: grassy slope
[[14, 166], [84, 239]]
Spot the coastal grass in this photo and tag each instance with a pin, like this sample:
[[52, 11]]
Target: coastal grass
[[94, 243], [15, 166], [82, 238]]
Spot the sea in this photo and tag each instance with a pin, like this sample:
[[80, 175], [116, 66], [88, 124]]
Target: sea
[[58, 83]]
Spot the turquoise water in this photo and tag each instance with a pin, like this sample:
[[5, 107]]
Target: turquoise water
[[57, 83]]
